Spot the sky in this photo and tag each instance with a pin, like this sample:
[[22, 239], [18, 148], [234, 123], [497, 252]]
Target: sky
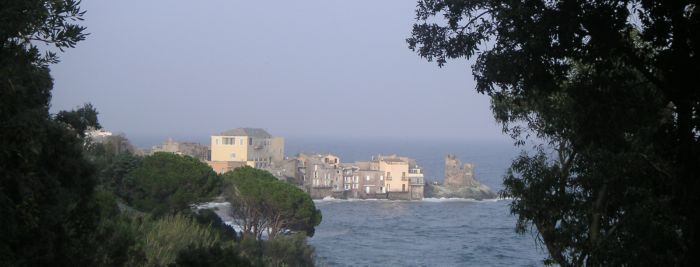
[[322, 68]]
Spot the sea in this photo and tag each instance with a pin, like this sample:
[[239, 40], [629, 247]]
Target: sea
[[431, 232]]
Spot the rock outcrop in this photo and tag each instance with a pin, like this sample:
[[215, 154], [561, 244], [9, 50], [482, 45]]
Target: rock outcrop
[[459, 182]]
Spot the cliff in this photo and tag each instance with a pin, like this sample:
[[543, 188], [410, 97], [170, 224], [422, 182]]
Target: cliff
[[459, 183]]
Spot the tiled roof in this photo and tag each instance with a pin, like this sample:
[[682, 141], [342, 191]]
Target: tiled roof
[[252, 132]]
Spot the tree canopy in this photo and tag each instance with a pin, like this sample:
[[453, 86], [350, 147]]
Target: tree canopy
[[260, 202], [80, 119], [611, 89], [167, 183]]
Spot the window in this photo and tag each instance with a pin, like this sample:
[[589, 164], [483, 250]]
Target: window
[[250, 141], [366, 189], [367, 178], [381, 177], [233, 155], [217, 141], [403, 187], [241, 141]]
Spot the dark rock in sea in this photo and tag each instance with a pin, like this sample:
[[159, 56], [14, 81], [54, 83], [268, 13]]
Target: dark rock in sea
[[459, 183]]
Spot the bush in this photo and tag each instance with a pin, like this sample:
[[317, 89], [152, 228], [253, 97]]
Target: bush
[[163, 239], [212, 256], [288, 251]]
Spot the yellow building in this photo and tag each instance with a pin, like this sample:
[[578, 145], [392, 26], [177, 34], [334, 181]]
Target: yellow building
[[254, 146], [395, 174]]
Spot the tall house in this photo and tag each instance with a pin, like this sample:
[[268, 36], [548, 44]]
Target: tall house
[[396, 173], [402, 174], [253, 146]]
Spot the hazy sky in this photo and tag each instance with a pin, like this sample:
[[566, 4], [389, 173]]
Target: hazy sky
[[327, 68]]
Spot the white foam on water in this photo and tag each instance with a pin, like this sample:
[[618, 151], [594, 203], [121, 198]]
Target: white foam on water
[[442, 199], [211, 205]]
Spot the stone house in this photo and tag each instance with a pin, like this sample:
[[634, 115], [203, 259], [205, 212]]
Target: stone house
[[320, 174]]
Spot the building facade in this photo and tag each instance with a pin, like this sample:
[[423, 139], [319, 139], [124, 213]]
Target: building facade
[[392, 177], [320, 174], [253, 146]]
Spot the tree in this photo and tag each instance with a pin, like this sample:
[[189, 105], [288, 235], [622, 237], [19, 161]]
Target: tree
[[611, 88], [46, 186], [80, 119], [166, 183], [260, 202], [114, 175]]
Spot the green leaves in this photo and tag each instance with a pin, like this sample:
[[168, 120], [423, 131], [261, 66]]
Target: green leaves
[[80, 119], [166, 183], [23, 23], [261, 203], [610, 90]]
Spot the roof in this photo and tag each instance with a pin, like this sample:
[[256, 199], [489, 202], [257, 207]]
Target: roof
[[392, 160], [252, 132]]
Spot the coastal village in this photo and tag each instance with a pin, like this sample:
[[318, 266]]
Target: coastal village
[[325, 175]]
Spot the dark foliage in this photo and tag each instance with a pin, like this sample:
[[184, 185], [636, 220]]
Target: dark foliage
[[166, 183], [47, 215], [114, 173], [212, 256], [210, 218], [611, 87], [80, 119]]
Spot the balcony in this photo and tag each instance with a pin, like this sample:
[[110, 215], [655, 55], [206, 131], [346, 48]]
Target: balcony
[[417, 181]]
